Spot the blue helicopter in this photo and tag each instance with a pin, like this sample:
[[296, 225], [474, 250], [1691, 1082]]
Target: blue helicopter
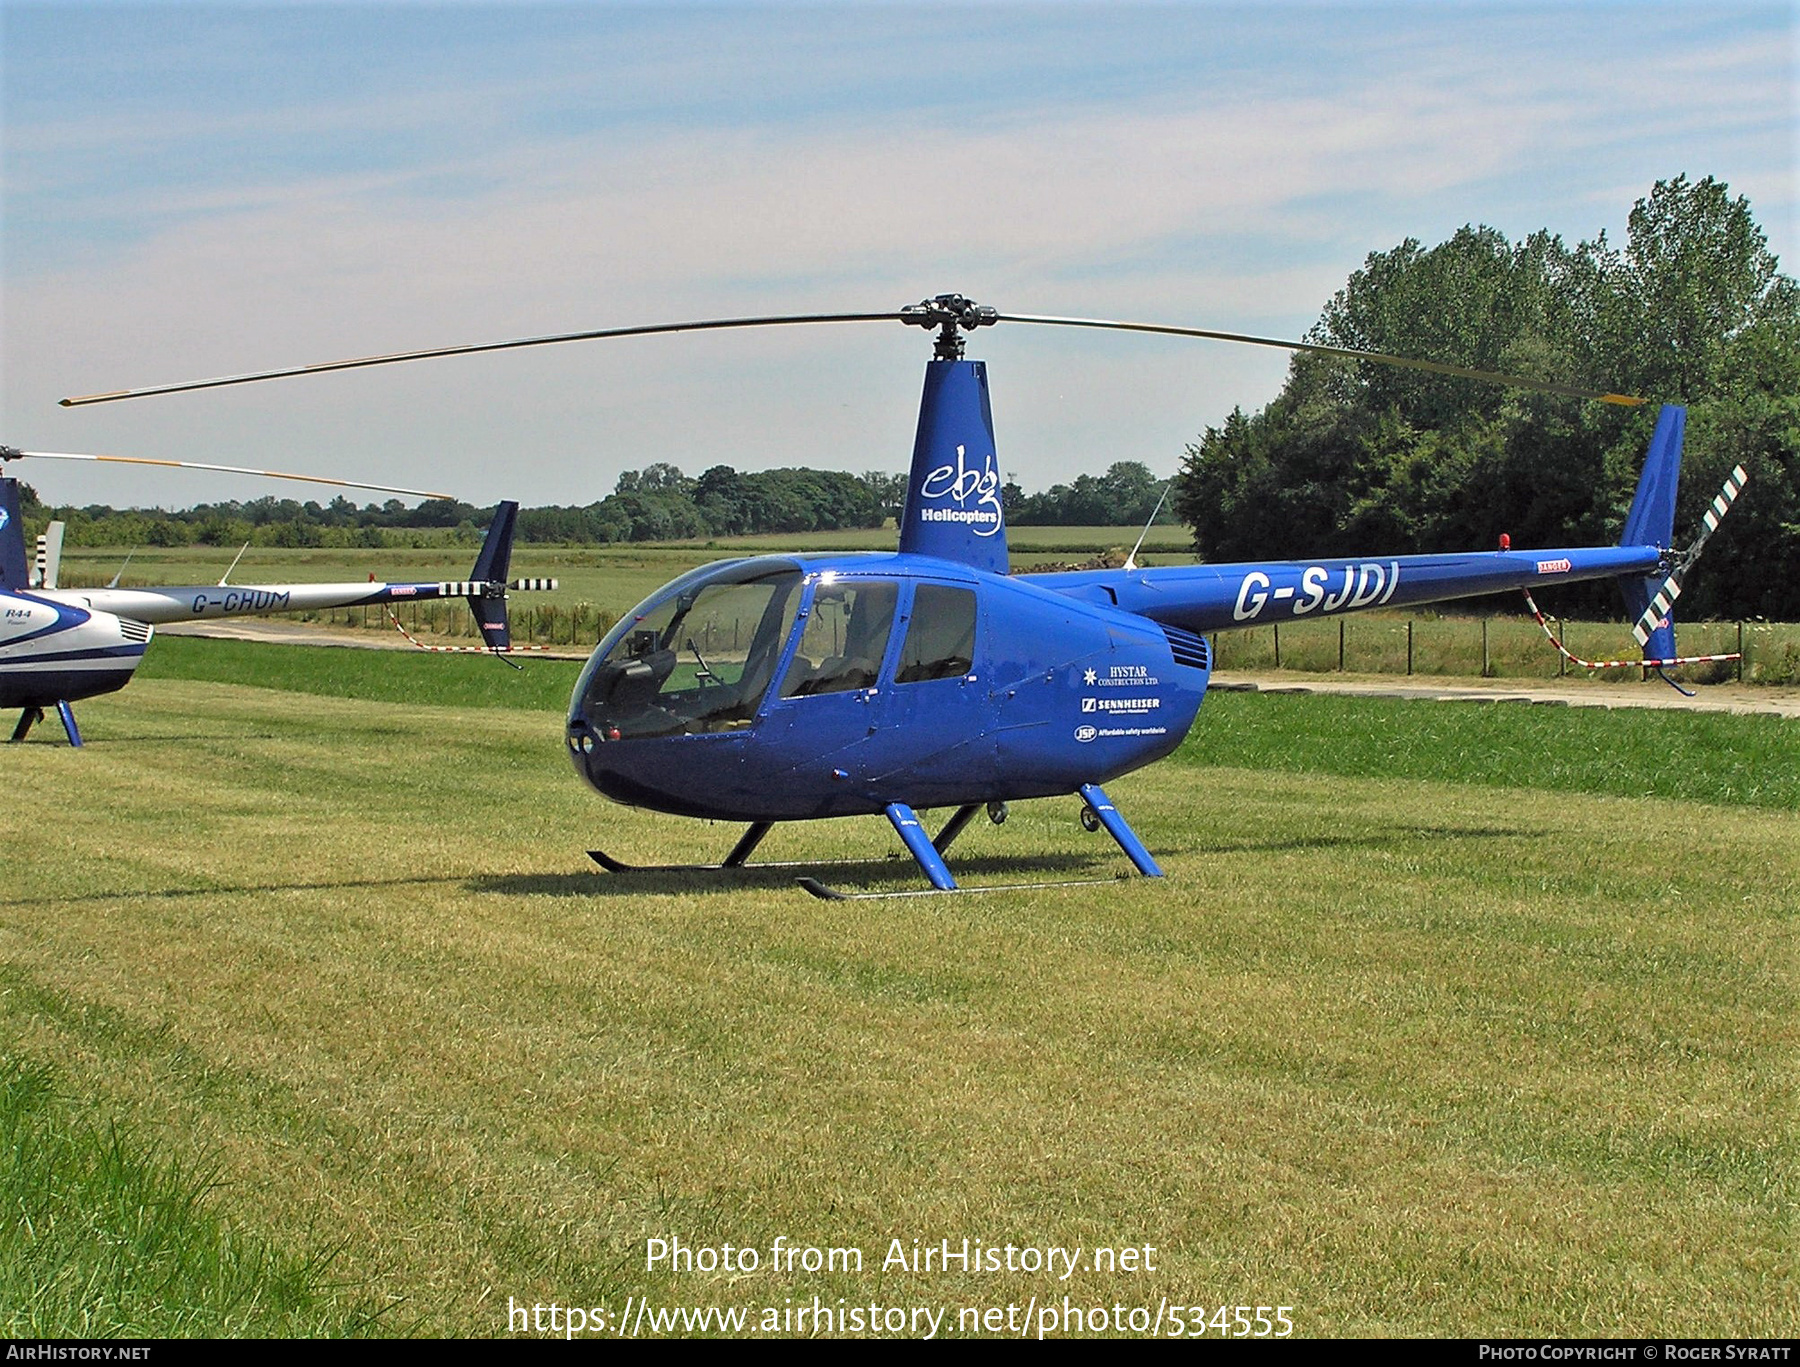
[[796, 687]]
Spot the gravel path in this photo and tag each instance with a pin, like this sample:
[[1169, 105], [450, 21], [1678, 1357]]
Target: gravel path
[[1781, 702]]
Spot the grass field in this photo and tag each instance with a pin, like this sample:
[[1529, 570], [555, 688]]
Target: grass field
[[1438, 1026], [613, 576]]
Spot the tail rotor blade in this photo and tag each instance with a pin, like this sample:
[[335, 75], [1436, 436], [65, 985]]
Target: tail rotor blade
[[1715, 514], [1664, 598]]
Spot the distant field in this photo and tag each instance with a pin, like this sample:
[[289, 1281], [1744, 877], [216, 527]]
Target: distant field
[[612, 577], [1440, 1024], [1166, 537], [597, 585]]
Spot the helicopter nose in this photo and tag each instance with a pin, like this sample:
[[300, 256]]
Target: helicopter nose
[[584, 742], [581, 736]]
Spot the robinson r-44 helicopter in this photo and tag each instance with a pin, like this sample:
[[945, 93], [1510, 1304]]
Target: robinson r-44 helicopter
[[795, 687], [58, 646]]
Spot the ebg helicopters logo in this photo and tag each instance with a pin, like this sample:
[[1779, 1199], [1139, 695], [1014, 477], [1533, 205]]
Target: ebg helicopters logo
[[975, 492]]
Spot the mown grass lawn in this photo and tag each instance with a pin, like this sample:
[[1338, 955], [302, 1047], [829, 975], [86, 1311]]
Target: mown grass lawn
[[1404, 1043]]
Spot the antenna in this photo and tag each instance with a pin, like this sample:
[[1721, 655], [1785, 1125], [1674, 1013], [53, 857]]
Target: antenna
[[113, 583], [234, 562], [1131, 560]]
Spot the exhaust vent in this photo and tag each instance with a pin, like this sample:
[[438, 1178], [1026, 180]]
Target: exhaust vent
[[1188, 649]]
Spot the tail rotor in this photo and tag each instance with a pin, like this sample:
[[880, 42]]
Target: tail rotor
[[485, 591], [1653, 601], [1655, 615]]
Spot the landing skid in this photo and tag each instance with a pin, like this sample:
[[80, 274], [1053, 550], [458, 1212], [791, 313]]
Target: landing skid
[[739, 858], [830, 894], [612, 865], [1097, 812]]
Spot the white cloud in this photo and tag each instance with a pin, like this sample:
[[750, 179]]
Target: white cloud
[[1240, 206]]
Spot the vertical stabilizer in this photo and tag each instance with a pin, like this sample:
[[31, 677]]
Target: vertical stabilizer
[[491, 566], [1651, 522], [14, 573], [953, 492]]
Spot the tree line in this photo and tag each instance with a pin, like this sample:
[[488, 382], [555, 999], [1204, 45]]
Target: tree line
[[1353, 458], [1126, 495], [658, 503]]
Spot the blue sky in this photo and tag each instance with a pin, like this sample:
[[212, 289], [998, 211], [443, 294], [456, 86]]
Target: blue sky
[[192, 190]]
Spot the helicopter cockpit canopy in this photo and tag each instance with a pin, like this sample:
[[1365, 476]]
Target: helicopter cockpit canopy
[[698, 657]]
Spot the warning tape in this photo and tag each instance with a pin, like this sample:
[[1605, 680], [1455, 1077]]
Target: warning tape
[[456, 650], [1619, 664]]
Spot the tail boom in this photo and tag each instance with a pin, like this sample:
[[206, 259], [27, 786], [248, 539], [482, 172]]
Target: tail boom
[[1203, 598]]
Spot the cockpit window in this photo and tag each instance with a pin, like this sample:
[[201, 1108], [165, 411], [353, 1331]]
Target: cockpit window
[[940, 639], [845, 638], [698, 661]]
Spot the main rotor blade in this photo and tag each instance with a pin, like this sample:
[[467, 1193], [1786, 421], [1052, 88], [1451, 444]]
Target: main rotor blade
[[778, 320], [9, 454], [1383, 358], [551, 339]]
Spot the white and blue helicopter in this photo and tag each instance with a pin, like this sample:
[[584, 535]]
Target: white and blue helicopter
[[58, 646], [793, 687]]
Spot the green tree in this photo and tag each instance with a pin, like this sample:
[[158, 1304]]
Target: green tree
[[1358, 458]]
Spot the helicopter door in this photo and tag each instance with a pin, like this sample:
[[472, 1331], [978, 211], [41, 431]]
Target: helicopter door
[[939, 711], [827, 705]]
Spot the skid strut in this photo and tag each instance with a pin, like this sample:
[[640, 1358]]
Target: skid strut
[[32, 715], [906, 825], [930, 853], [1101, 806], [954, 827], [926, 850]]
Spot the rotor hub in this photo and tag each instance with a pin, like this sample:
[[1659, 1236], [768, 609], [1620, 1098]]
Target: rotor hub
[[952, 315]]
